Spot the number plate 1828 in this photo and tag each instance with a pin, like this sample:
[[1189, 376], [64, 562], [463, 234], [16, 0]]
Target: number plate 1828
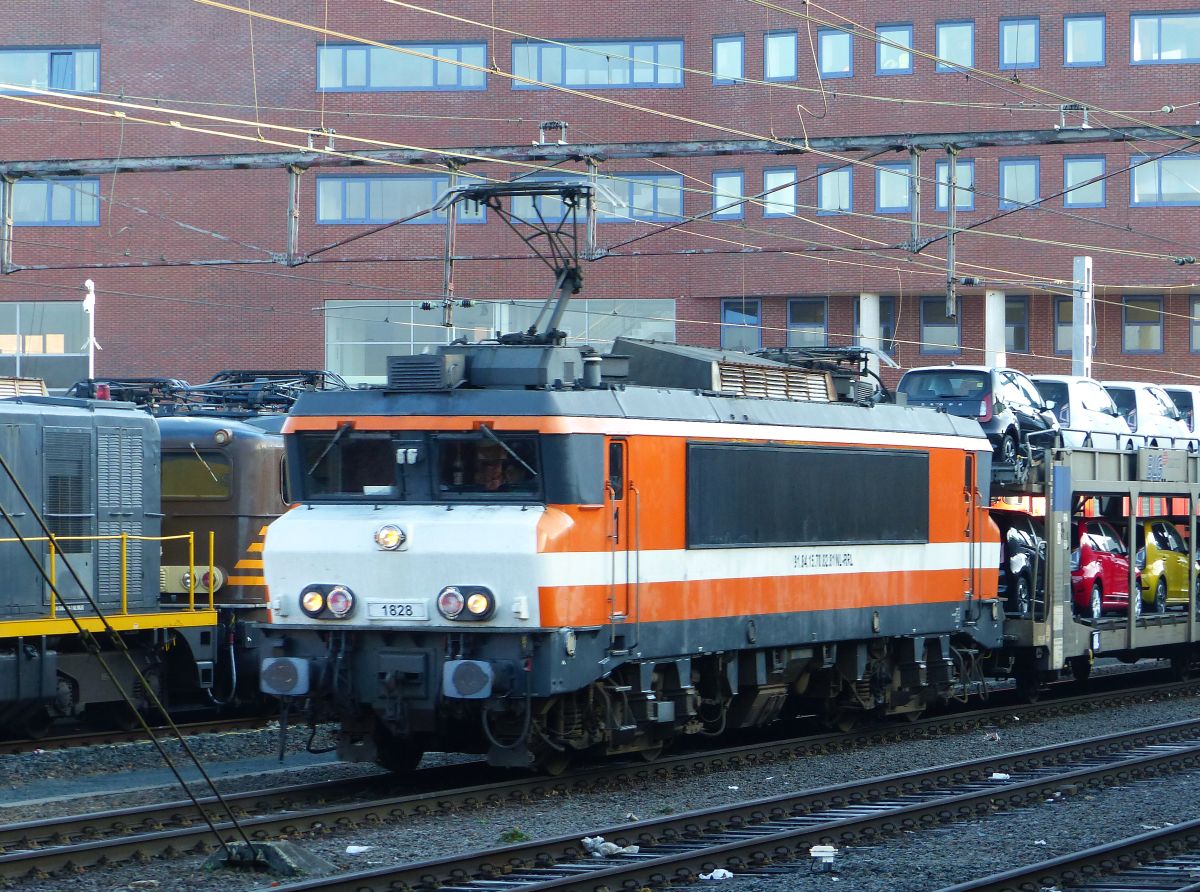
[[397, 610]]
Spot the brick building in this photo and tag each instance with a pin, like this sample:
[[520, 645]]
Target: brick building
[[791, 128]]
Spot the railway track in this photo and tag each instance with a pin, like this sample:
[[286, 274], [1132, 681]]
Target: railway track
[[758, 837], [52, 844], [114, 735], [1166, 860]]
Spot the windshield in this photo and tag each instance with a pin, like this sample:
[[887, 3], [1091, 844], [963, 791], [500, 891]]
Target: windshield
[[945, 384], [1053, 392], [202, 474], [1125, 400], [418, 466]]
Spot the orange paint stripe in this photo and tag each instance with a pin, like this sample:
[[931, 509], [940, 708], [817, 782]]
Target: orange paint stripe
[[588, 605], [249, 564], [246, 580], [255, 547]]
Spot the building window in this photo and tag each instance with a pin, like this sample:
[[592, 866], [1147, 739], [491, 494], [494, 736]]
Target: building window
[[835, 190], [779, 56], [1064, 327], [1080, 170], [361, 334], [69, 70], [1167, 181], [955, 46], [807, 323], [727, 187], [893, 53], [835, 53], [1142, 328], [1019, 43], [887, 324], [891, 189], [645, 196], [728, 58], [1016, 324], [592, 64], [57, 202], [1195, 326], [373, 69], [1083, 41], [964, 186], [44, 339], [741, 325], [939, 332], [1019, 182], [1165, 38], [779, 186], [385, 199]]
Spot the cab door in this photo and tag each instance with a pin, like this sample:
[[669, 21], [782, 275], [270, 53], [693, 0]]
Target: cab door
[[620, 530]]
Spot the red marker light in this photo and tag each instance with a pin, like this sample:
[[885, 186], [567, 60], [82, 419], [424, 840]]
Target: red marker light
[[103, 392]]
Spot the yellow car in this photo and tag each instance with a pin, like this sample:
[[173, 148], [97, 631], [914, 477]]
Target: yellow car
[[1162, 557]]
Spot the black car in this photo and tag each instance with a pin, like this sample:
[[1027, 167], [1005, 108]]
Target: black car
[[1022, 563], [1004, 401]]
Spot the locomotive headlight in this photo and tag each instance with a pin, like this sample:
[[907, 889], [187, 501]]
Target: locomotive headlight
[[339, 601], [312, 602], [479, 604], [450, 602], [390, 537]]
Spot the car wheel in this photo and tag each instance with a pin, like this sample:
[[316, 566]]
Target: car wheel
[[1006, 452], [1022, 600], [1097, 601], [1160, 596]]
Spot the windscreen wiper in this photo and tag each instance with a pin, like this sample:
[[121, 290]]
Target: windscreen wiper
[[487, 430], [342, 428]]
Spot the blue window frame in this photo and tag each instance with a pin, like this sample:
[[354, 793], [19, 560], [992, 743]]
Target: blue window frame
[[596, 64], [1016, 324], [1083, 41], [808, 322], [893, 50], [385, 198], [1141, 325], [1019, 43], [1167, 38], [1020, 182], [780, 185], [939, 332], [741, 324], [728, 186], [1080, 169], [779, 56], [353, 68], [56, 202], [964, 186], [892, 195], [728, 59], [624, 197], [69, 69], [887, 324], [1166, 182], [1195, 329], [835, 53], [835, 190], [1064, 324], [955, 45]]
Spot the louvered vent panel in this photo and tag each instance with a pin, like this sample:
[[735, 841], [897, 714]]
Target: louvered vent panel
[[779, 383], [120, 466], [22, 387], [69, 506], [431, 371]]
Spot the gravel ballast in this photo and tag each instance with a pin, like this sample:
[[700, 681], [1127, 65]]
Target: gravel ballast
[[907, 863]]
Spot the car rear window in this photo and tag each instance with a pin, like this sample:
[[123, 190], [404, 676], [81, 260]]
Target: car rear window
[[944, 384]]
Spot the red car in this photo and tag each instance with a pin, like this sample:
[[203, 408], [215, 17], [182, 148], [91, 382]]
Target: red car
[[1100, 570]]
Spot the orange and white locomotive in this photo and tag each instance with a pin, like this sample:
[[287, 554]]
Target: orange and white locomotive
[[531, 551]]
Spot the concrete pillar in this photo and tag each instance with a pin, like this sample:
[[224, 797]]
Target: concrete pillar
[[868, 326], [993, 328]]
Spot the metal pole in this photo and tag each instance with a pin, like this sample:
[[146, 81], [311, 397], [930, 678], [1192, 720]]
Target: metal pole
[[951, 222], [293, 212], [1081, 324], [89, 310], [6, 227], [590, 229], [914, 196], [448, 259]]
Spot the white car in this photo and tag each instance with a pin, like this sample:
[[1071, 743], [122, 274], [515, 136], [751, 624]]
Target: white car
[[1087, 415], [1152, 416], [1186, 398]]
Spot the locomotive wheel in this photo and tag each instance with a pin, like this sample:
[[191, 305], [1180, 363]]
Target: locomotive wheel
[[1029, 686], [554, 762], [38, 724], [652, 753], [1081, 668], [395, 754]]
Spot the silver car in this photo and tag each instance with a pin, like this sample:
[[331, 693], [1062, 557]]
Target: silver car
[[1087, 415], [1152, 416]]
